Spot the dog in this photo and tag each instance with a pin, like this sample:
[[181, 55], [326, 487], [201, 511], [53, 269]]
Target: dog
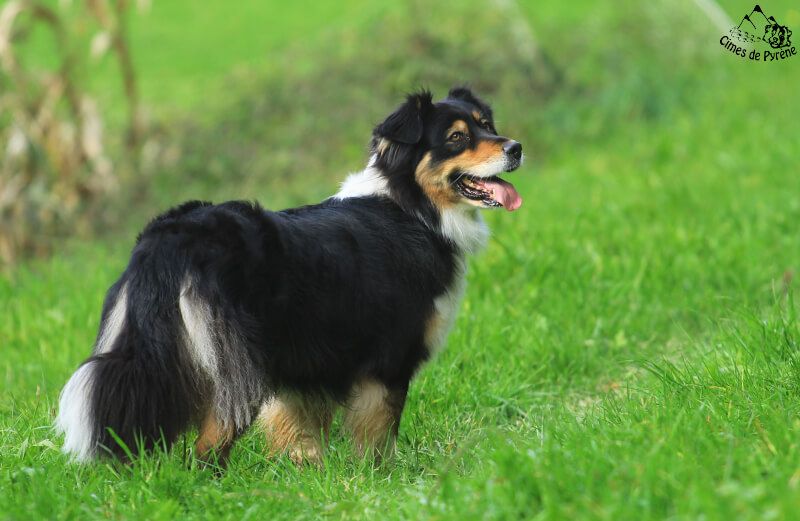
[[230, 314], [777, 36]]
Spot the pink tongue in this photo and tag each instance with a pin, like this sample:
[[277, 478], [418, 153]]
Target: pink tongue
[[504, 193]]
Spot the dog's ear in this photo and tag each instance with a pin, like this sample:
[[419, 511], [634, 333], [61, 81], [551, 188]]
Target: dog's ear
[[464, 93], [405, 125]]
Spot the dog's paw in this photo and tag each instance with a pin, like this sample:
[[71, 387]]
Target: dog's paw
[[306, 454]]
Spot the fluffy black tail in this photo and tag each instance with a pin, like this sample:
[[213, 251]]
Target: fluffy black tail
[[134, 390], [177, 337]]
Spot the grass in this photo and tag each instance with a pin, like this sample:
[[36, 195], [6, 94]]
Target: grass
[[182, 53], [628, 347]]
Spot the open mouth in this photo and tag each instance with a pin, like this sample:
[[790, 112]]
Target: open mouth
[[492, 191]]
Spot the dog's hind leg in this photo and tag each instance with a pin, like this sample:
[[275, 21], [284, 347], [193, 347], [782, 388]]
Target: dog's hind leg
[[214, 443], [229, 377], [372, 416], [297, 425]]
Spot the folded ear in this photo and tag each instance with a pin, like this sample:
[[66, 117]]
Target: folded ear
[[405, 125]]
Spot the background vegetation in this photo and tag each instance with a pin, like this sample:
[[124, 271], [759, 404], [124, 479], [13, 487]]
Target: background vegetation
[[628, 347]]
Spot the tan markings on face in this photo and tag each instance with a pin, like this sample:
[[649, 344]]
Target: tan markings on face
[[485, 152], [434, 178], [477, 116], [458, 126], [434, 182]]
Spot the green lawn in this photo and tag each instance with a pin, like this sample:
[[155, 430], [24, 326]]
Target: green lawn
[[628, 347]]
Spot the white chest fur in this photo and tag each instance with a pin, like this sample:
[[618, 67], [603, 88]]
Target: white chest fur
[[465, 227], [445, 309]]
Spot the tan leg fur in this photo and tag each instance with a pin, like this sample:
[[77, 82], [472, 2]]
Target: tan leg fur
[[296, 426], [372, 417]]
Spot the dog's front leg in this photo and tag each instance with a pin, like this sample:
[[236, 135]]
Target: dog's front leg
[[297, 425], [372, 417]]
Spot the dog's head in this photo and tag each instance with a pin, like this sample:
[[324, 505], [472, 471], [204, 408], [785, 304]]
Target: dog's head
[[777, 36], [445, 154]]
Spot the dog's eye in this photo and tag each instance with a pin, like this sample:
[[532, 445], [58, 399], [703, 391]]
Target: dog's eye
[[456, 137], [486, 125]]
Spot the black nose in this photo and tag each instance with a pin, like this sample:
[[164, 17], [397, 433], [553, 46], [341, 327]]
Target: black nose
[[513, 149]]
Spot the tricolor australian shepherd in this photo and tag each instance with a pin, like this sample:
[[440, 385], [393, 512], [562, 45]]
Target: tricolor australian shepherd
[[230, 313]]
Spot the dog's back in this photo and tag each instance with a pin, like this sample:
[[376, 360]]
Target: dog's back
[[222, 306]]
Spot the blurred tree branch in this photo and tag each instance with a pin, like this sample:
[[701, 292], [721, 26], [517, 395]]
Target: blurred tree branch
[[56, 163]]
